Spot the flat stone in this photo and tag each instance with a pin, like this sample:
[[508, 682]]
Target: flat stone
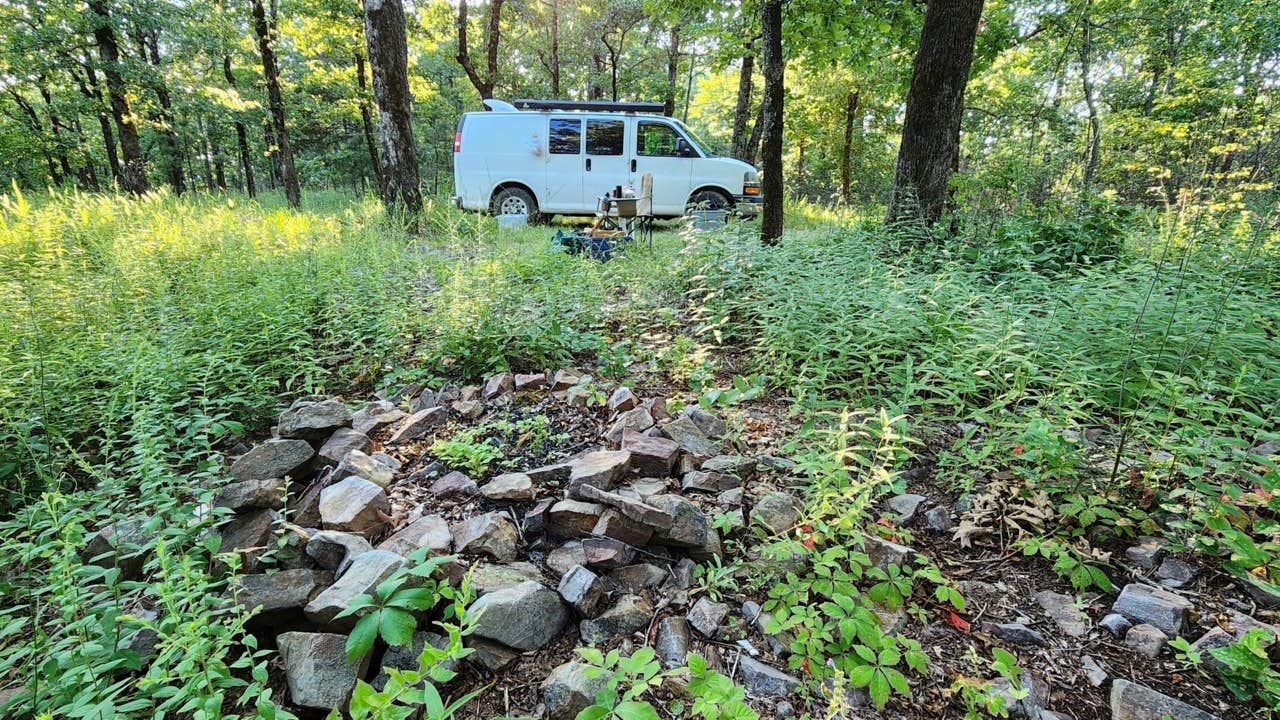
[[1063, 611], [739, 466], [491, 534], [1093, 672], [360, 464], [317, 670], [601, 469], [884, 553], [613, 524], [490, 655], [490, 577], [275, 458], [1130, 701], [582, 589], [530, 381], [564, 379], [1019, 634], [1147, 554], [761, 680], [498, 385], [527, 616], [672, 643], [1263, 595], [622, 399], [354, 505], [334, 551], [705, 616], [1160, 608], [688, 528], [1175, 573], [454, 486], [637, 420], [777, 512], [1146, 640], [1116, 624], [710, 425], [639, 510], [562, 559], [573, 518], [250, 533], [570, 689], [711, 482], [650, 456], [283, 590], [629, 614], [607, 554], [690, 438], [904, 507], [363, 575], [511, 486], [313, 420], [428, 531], [417, 425], [376, 416], [261, 494], [556, 472], [730, 498], [341, 442], [635, 578]]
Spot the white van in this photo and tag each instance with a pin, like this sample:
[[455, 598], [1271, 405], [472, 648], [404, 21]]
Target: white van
[[540, 158]]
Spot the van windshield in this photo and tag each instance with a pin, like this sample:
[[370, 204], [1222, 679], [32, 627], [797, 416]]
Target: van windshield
[[697, 141]]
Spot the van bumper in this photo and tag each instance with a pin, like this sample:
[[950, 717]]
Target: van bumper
[[749, 205]]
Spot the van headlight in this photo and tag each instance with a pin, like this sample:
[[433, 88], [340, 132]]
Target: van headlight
[[751, 183]]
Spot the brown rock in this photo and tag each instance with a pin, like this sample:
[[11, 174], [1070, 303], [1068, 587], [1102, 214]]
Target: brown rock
[[652, 456]]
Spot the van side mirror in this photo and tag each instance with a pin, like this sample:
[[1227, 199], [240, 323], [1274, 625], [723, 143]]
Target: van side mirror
[[683, 148]]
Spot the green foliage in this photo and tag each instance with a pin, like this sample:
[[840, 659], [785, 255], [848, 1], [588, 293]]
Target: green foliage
[[466, 450], [628, 679], [744, 389], [392, 611], [715, 696], [414, 693], [978, 695], [1248, 670]]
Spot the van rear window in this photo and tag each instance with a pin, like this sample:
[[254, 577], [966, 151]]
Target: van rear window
[[565, 137], [604, 137]]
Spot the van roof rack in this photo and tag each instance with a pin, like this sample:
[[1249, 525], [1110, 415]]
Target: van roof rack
[[590, 105]]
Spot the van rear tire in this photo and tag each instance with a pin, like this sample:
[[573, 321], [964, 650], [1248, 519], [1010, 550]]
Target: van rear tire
[[516, 201]]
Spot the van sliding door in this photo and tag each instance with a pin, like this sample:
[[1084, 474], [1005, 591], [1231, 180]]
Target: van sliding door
[[564, 166], [606, 166]]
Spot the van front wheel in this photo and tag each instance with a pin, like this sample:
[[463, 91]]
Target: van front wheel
[[516, 201], [709, 199]]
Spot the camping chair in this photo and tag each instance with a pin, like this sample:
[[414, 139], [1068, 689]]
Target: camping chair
[[644, 208]]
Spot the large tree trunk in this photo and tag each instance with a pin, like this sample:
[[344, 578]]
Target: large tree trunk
[[846, 152], [275, 100], [389, 58], [242, 135], [133, 169], [741, 145], [149, 47], [930, 146], [366, 122], [772, 117], [673, 72]]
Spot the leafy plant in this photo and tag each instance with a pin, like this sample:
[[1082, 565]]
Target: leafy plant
[[414, 693], [467, 451], [1248, 670], [628, 679], [715, 696], [391, 611]]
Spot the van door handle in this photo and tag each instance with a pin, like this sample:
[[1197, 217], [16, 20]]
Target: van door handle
[[633, 164], [588, 164]]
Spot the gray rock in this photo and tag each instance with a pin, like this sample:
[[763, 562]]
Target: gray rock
[[1175, 573], [1149, 605], [688, 528], [638, 421], [1130, 701], [1028, 707], [122, 544], [884, 553], [629, 614], [530, 381], [761, 680], [569, 690], [511, 486], [143, 641], [1263, 595], [938, 520], [375, 416], [705, 616], [262, 494], [601, 469], [582, 589], [672, 643], [418, 425], [613, 524], [710, 425], [428, 531], [341, 442], [354, 505], [730, 498], [250, 533], [334, 551], [317, 670], [783, 710], [1116, 624], [607, 553], [313, 420], [498, 385], [1019, 634], [779, 643], [535, 520], [491, 534], [356, 462], [777, 512], [555, 472], [562, 559], [454, 486], [711, 482], [634, 578], [525, 617], [690, 438], [564, 379], [640, 510], [622, 399], [274, 458], [1093, 672], [904, 507], [1147, 554], [490, 577], [283, 590], [740, 467], [1146, 640], [490, 655], [1063, 611], [361, 577], [651, 456], [573, 518], [405, 657]]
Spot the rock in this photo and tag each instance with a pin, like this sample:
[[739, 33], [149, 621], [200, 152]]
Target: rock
[[261, 494], [761, 680], [672, 643], [354, 505], [651, 456], [143, 641], [428, 531], [274, 458], [783, 710], [884, 553], [490, 577], [1130, 701], [689, 438], [1146, 640], [1093, 672], [629, 614], [622, 399], [341, 442], [688, 527], [359, 464], [126, 540], [904, 507], [1028, 707], [1163, 609], [536, 518], [553, 473], [525, 617], [779, 643], [564, 379], [1175, 573], [1019, 634], [491, 534], [730, 498], [1063, 611], [334, 551], [405, 657], [711, 551], [562, 559], [454, 486], [251, 533], [375, 416], [634, 578], [313, 420], [573, 518], [601, 469], [511, 486], [641, 511], [638, 420], [1267, 597], [570, 689], [1116, 624], [498, 385], [979, 594], [743, 468], [582, 589], [530, 381], [710, 425], [283, 590], [777, 512], [417, 425], [705, 616], [490, 655], [1147, 554], [712, 482], [361, 577], [607, 553], [938, 520], [317, 670], [613, 524]]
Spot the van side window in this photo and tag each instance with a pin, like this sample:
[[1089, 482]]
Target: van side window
[[565, 136], [654, 139], [604, 137]]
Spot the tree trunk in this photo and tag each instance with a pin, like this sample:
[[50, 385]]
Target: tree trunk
[[846, 152], [673, 72], [935, 106], [772, 117], [741, 145], [94, 94], [242, 135], [55, 129], [275, 100], [483, 85], [1086, 82], [206, 154], [366, 122], [389, 57], [555, 48], [133, 169], [753, 142], [150, 49]]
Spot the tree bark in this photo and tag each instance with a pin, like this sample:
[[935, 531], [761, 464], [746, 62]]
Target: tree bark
[[555, 48], [753, 142], [935, 106], [275, 100], [133, 169], [673, 71], [389, 58], [741, 145], [483, 85], [846, 152], [149, 47], [772, 117], [242, 135], [366, 122], [93, 92]]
